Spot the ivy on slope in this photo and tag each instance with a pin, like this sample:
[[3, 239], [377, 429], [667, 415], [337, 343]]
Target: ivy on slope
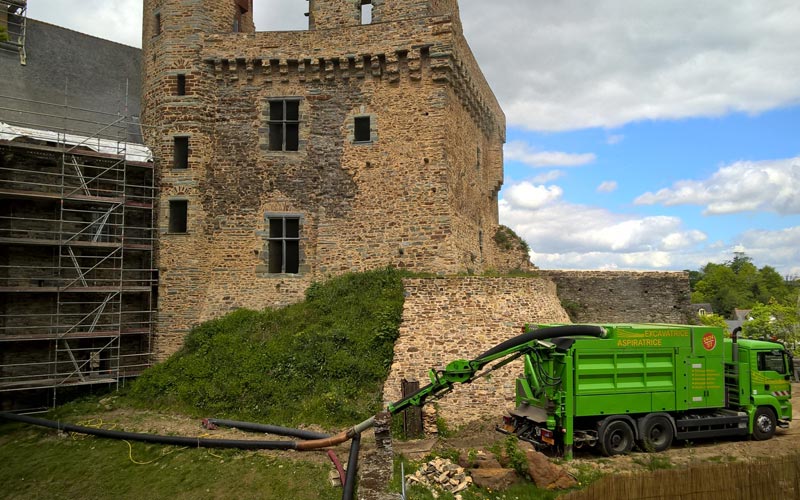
[[322, 361]]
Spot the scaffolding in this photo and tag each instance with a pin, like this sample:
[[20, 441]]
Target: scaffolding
[[77, 277], [13, 27]]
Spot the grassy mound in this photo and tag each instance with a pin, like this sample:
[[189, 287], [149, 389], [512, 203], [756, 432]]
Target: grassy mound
[[321, 361]]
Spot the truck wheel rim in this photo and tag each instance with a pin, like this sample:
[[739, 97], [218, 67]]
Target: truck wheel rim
[[764, 423]]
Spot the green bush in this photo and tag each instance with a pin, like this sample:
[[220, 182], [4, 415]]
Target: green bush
[[321, 361], [3, 34]]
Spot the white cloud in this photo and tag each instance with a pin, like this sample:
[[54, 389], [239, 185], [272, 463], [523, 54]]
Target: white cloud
[[563, 235], [607, 187], [586, 64], [529, 196], [548, 176], [762, 186], [552, 226], [120, 20], [524, 153], [609, 62], [614, 139]]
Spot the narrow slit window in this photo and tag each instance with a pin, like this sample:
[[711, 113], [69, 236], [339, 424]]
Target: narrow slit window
[[361, 129], [178, 210], [181, 153], [366, 12], [158, 24], [181, 85], [284, 245], [284, 125]]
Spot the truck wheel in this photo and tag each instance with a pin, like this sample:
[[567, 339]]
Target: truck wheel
[[764, 423], [617, 438], [657, 434]]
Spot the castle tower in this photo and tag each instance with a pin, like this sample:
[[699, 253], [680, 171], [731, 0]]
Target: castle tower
[[287, 157]]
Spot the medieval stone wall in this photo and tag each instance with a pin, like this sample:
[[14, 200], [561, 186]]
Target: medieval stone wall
[[420, 194], [445, 319], [623, 296]]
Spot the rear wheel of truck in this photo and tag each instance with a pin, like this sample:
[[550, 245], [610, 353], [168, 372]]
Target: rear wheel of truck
[[764, 423], [657, 434], [617, 438]]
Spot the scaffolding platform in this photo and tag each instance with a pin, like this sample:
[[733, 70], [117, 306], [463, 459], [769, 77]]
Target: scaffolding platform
[[77, 278]]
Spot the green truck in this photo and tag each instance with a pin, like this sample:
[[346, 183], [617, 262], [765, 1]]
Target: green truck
[[614, 386], [647, 385]]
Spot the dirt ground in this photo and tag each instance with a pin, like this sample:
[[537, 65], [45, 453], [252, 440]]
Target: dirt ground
[[473, 436]]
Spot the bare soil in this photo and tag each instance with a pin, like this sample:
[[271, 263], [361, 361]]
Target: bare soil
[[477, 435]]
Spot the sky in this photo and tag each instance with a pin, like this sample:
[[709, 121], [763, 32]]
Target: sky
[[645, 134]]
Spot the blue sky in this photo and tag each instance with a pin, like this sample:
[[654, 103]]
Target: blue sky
[[641, 135]]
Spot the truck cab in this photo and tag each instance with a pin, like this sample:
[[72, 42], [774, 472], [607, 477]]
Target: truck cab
[[763, 386]]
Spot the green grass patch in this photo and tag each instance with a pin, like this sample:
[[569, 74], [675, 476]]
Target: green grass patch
[[322, 361], [40, 464]]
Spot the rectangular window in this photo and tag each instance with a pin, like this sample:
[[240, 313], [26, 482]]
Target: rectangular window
[[771, 361], [361, 132], [158, 24], [284, 244], [178, 210], [180, 153], [181, 85], [284, 125]]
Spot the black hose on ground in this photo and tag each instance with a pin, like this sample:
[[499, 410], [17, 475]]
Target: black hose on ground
[[349, 487], [154, 438], [268, 429], [544, 334]]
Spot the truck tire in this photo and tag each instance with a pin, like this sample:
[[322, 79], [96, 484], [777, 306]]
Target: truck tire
[[617, 438], [656, 434], [764, 423]]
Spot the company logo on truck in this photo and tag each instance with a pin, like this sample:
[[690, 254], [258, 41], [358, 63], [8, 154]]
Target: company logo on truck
[[709, 341]]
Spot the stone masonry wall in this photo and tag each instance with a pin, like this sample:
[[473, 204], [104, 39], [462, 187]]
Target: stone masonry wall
[[445, 319], [421, 194], [623, 296]]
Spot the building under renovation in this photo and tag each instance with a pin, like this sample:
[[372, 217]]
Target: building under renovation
[[286, 157], [77, 280]]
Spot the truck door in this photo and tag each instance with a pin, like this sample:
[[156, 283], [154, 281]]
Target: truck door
[[771, 378]]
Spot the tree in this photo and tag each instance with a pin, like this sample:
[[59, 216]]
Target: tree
[[738, 283], [773, 321]]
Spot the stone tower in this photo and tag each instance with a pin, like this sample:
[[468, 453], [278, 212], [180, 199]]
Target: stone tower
[[286, 157]]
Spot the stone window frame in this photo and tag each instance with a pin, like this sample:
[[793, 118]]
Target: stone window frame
[[175, 200], [283, 239], [158, 23], [175, 138], [269, 122], [180, 84], [373, 129]]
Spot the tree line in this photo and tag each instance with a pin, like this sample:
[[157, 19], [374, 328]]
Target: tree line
[[773, 300]]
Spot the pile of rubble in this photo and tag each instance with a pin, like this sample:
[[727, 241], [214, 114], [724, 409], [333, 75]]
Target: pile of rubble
[[443, 474]]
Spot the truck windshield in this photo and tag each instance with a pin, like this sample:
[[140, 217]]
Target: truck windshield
[[771, 361]]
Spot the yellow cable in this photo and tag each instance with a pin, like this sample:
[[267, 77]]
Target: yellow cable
[[163, 453]]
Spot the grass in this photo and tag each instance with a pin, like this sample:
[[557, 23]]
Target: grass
[[322, 361], [41, 464], [653, 462]]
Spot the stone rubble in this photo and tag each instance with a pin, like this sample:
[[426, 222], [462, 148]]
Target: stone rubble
[[443, 474]]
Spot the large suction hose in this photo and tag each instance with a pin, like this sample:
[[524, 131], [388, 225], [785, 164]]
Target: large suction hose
[[209, 423], [155, 438], [352, 466], [546, 333]]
